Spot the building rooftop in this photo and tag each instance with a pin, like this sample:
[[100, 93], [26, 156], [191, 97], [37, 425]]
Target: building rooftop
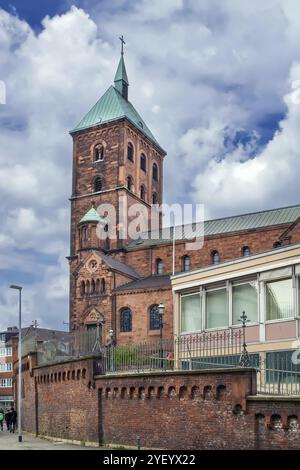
[[249, 221], [156, 281], [93, 216], [114, 105], [117, 265]]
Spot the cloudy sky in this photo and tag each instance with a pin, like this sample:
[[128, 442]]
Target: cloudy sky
[[217, 81]]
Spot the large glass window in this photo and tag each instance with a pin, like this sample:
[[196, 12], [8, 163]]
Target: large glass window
[[244, 298], [216, 309], [191, 313], [279, 299]]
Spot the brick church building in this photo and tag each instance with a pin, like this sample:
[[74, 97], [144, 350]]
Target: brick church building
[[120, 281]]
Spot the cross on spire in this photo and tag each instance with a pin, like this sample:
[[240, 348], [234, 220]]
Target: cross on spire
[[122, 44]]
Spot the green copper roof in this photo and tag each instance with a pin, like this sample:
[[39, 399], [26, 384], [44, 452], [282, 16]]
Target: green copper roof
[[92, 216], [121, 72], [110, 107], [114, 105], [255, 220]]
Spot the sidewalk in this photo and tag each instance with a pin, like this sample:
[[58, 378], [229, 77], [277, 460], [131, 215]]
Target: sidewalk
[[9, 441]]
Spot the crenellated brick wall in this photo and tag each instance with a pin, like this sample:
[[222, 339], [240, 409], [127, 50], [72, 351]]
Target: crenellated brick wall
[[211, 409]]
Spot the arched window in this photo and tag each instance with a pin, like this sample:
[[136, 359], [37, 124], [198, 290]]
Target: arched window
[[246, 251], [93, 287], [130, 151], [87, 289], [155, 172], [159, 266], [154, 318], [143, 163], [82, 288], [186, 263], [154, 198], [98, 286], [102, 286], [143, 193], [99, 153], [125, 320], [97, 184], [129, 183], [215, 257]]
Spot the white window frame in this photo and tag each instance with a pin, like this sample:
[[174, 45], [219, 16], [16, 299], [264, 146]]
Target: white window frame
[[278, 320], [6, 383], [4, 367], [198, 292], [6, 351], [214, 289], [242, 283]]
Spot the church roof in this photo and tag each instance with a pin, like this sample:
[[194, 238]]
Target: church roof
[[113, 106], [149, 282], [117, 265], [250, 221], [92, 216]]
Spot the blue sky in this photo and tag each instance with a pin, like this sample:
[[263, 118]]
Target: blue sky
[[215, 81]]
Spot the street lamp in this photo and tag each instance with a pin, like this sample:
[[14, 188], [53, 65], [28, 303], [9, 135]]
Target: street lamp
[[19, 288], [111, 344], [161, 311]]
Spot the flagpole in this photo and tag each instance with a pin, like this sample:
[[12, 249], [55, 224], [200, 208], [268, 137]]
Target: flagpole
[[174, 239]]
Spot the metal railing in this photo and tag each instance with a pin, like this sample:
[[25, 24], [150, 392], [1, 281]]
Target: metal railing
[[276, 372], [277, 381], [203, 350], [140, 357]]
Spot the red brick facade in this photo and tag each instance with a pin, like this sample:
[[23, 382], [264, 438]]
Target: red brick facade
[[186, 410]]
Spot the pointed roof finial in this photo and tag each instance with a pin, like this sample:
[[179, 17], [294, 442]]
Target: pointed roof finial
[[122, 44]]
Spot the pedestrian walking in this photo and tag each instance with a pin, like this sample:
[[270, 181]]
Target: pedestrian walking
[[7, 419], [1, 419], [13, 420]]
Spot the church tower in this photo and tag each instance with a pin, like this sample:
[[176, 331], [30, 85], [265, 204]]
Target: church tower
[[115, 158]]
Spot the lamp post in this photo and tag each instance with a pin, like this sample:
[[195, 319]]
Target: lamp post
[[111, 344], [19, 288], [161, 311], [245, 358]]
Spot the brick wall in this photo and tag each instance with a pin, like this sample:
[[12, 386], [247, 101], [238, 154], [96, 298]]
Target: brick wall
[[186, 410], [228, 245], [61, 401], [140, 302]]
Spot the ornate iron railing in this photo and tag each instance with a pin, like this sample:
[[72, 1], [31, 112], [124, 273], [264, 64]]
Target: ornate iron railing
[[203, 350]]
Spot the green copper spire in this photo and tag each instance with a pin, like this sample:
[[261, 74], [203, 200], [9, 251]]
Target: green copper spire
[[121, 79], [114, 105]]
